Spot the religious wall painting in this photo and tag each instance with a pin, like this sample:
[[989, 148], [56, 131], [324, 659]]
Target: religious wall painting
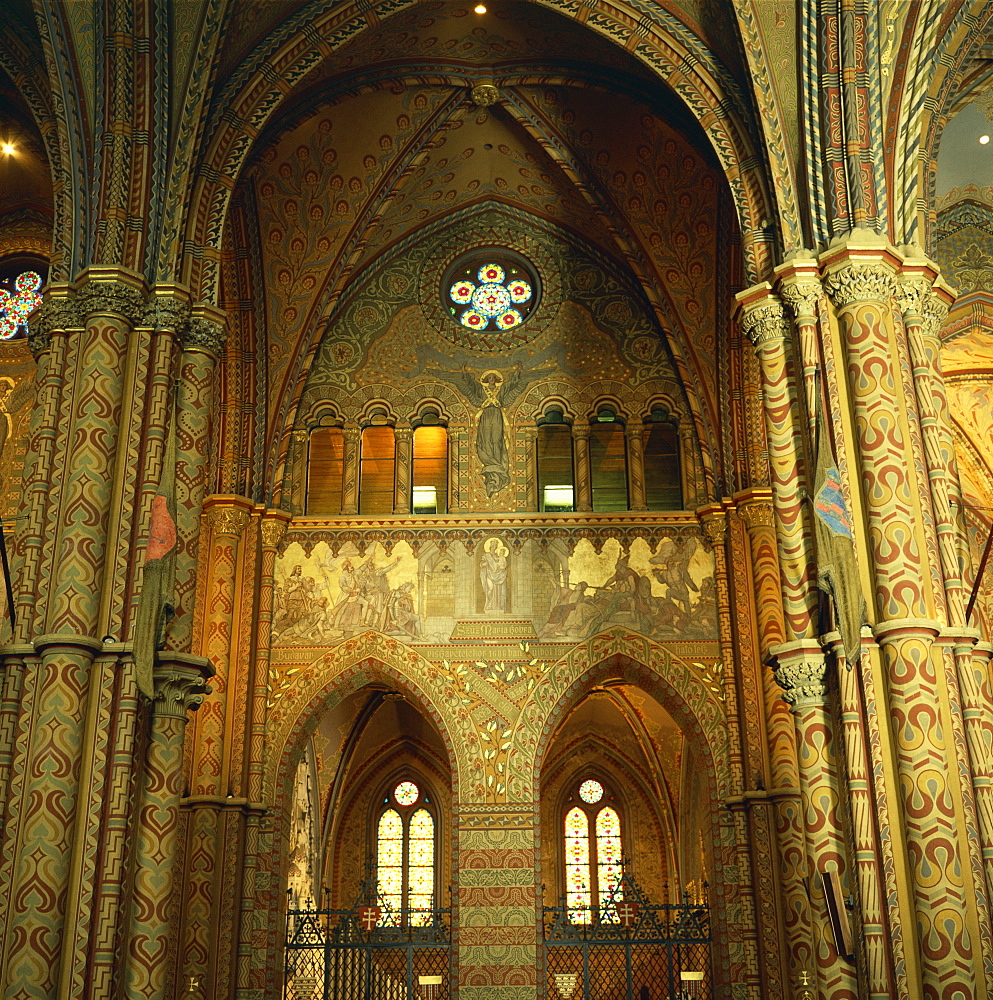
[[556, 593]]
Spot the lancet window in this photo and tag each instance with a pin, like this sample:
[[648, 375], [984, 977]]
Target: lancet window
[[377, 470], [406, 845], [429, 481], [556, 487], [593, 852]]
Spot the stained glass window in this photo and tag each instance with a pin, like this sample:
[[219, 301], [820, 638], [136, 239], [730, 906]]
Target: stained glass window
[[593, 854], [490, 290], [405, 857], [17, 302]]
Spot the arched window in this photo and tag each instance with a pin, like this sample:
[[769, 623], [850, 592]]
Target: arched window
[[405, 856], [555, 476], [608, 462], [429, 482], [377, 469], [592, 832], [663, 480], [325, 467]]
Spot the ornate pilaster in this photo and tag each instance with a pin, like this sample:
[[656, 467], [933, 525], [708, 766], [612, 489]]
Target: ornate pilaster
[[180, 687], [581, 453]]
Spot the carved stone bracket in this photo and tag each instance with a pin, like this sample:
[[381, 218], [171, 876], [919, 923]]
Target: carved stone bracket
[[860, 283], [180, 684], [765, 323]]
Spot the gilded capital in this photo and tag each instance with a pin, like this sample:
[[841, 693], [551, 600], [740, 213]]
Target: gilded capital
[[273, 531], [206, 335], [111, 296], [714, 523], [765, 323], [53, 314], [165, 312], [855, 282], [227, 520], [757, 514]]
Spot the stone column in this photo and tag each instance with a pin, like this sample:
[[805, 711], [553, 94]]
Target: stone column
[[404, 435], [931, 836], [634, 435], [756, 510], [350, 468], [583, 471], [801, 669], [977, 711], [179, 687]]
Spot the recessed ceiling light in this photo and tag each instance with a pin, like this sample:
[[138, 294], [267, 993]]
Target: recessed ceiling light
[[983, 140], [480, 8], [8, 149]]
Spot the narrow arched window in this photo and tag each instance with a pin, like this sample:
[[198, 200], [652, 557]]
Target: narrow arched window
[[555, 470], [405, 857], [663, 479], [377, 470], [608, 462], [592, 833], [429, 481], [325, 467]]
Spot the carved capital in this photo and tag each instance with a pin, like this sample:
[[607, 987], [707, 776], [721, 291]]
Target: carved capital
[[803, 677], [757, 514], [166, 313], [205, 335], [53, 314], [934, 316], [179, 687], [115, 297], [227, 520], [860, 283], [765, 324], [714, 523], [802, 298], [273, 532]]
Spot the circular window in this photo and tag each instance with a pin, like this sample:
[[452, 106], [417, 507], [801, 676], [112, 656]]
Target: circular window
[[17, 301], [490, 290], [591, 791], [406, 793]]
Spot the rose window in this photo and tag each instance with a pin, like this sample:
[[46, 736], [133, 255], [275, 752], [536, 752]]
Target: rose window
[[16, 305], [491, 293]]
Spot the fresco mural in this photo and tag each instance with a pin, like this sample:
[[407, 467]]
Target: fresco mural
[[556, 593]]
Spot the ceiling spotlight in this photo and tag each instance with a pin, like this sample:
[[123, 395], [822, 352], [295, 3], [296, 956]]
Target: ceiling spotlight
[[983, 140], [8, 149], [480, 8]]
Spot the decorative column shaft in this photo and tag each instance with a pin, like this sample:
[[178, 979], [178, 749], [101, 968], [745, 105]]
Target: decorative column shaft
[[637, 497], [179, 688], [404, 464], [801, 669], [581, 455], [764, 321], [909, 597], [350, 468]]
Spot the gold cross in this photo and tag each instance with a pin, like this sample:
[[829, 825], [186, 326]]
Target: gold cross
[[804, 978]]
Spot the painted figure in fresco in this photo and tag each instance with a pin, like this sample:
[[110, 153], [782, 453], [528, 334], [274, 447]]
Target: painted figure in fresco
[[491, 391], [493, 569], [629, 596], [400, 615], [573, 611], [295, 600], [348, 612], [375, 590], [671, 567]]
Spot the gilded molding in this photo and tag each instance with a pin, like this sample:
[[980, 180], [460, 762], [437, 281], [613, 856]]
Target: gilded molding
[[53, 314], [860, 283], [765, 324], [166, 313], [273, 531]]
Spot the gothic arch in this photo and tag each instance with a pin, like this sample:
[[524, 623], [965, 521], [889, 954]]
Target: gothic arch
[[260, 86]]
